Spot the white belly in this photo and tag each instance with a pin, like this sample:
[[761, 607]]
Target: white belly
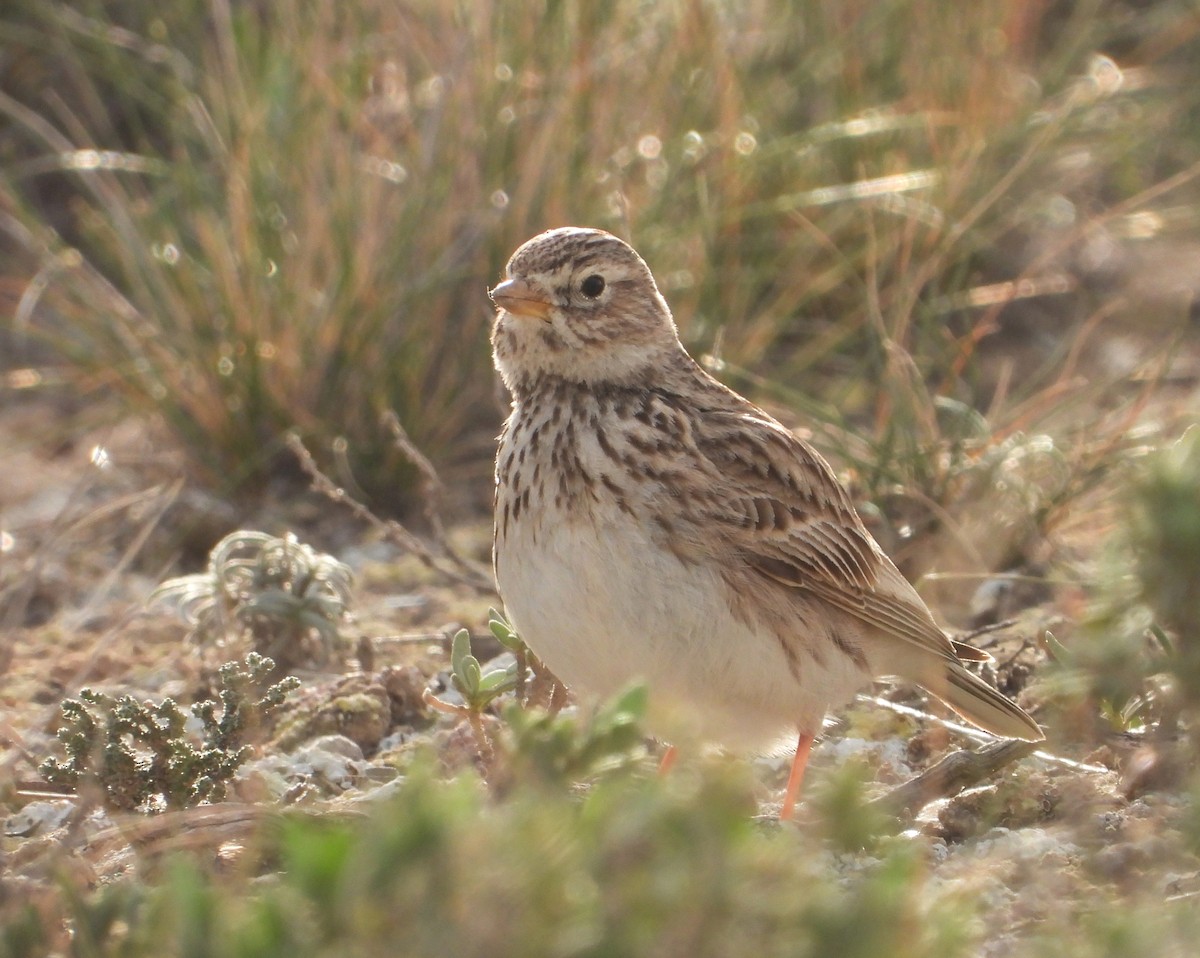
[[602, 605]]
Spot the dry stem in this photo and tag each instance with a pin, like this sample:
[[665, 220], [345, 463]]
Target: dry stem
[[443, 559]]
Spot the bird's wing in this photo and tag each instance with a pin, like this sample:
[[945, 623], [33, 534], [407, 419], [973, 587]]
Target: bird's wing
[[781, 508], [782, 511]]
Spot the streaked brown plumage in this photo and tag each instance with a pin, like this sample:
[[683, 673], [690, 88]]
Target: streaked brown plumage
[[651, 523]]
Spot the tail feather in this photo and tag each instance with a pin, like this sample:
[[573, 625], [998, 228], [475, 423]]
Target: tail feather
[[982, 705]]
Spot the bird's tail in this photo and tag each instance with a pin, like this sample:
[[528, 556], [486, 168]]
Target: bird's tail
[[982, 705]]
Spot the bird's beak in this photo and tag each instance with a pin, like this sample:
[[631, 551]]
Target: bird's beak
[[521, 298]]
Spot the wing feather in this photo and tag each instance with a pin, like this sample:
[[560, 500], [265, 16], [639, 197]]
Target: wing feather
[[780, 510], [814, 540]]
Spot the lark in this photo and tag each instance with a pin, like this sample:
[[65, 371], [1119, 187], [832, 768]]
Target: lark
[[652, 524]]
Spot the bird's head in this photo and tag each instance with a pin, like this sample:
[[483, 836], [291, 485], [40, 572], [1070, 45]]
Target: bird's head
[[579, 305]]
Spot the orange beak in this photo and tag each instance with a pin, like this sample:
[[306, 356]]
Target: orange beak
[[521, 298]]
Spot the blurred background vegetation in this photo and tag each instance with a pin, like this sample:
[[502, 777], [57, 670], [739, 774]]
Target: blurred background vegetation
[[957, 241], [246, 218]]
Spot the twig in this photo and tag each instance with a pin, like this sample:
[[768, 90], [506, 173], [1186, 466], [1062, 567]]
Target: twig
[[981, 736], [205, 826], [431, 482], [957, 771], [446, 563], [415, 638], [166, 497], [1002, 664], [972, 636]]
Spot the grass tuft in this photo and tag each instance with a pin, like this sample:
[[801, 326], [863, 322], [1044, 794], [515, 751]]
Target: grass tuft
[[251, 219]]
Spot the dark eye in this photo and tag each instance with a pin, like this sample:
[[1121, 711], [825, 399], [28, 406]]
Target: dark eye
[[592, 286]]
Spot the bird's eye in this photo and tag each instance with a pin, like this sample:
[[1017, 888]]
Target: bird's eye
[[592, 286]]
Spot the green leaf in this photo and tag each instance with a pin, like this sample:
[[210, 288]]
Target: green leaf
[[504, 633], [626, 707], [460, 648], [472, 675], [498, 681], [1056, 649]]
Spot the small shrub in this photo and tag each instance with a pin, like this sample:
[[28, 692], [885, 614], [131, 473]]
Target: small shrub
[[288, 600], [140, 755]]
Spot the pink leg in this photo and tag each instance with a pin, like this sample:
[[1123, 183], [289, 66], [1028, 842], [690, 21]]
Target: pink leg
[[803, 747], [667, 760]]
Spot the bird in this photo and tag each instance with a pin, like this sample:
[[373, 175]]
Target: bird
[[653, 525]]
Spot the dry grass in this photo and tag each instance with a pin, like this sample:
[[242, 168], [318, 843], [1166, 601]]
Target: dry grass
[[251, 219]]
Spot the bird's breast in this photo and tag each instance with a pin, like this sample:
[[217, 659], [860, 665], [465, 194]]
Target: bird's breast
[[594, 579]]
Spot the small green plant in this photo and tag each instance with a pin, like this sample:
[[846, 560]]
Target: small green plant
[[563, 749], [282, 595], [140, 755], [1139, 658], [542, 745], [477, 688]]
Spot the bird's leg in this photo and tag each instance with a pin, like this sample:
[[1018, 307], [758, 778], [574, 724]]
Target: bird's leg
[[667, 760], [803, 747]]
